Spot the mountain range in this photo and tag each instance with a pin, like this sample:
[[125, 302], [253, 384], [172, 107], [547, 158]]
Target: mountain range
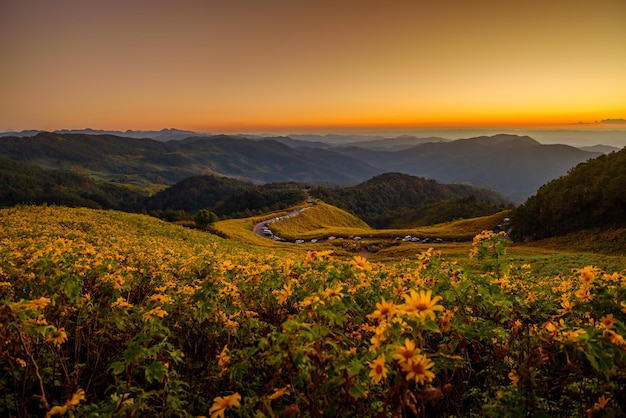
[[515, 166]]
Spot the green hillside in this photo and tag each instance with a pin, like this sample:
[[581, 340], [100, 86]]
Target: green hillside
[[591, 195], [27, 183], [384, 199]]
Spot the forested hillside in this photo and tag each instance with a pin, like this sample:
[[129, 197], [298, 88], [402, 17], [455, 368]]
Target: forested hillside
[[26, 183], [382, 199], [591, 195], [226, 197]]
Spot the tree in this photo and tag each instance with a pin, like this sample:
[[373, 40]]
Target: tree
[[205, 217]]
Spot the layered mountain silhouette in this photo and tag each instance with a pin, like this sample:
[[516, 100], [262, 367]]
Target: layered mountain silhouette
[[515, 166]]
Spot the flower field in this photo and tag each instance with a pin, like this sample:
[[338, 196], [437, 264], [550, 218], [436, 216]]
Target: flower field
[[104, 313]]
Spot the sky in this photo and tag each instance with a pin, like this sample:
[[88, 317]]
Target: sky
[[312, 66]]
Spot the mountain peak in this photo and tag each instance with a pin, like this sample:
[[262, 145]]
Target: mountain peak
[[508, 139]]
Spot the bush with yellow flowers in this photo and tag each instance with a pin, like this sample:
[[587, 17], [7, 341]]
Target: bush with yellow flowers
[[111, 314]]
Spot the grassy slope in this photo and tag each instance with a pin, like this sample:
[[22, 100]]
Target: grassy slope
[[548, 257], [324, 220]]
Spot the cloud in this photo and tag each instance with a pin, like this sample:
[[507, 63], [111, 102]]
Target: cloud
[[614, 121]]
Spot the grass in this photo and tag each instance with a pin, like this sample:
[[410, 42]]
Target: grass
[[547, 257]]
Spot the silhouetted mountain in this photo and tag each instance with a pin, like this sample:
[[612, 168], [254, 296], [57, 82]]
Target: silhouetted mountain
[[146, 161], [604, 149], [386, 197], [162, 135], [395, 144], [515, 166], [591, 195]]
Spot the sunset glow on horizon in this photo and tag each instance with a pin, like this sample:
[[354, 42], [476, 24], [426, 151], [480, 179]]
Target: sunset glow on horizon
[[243, 66]]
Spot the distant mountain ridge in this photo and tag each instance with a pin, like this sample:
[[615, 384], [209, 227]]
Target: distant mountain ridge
[[512, 165], [515, 166], [167, 134]]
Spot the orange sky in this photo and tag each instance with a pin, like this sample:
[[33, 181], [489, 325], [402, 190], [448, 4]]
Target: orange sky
[[303, 65]]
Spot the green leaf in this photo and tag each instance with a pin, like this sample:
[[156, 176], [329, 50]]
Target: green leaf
[[155, 371], [431, 325]]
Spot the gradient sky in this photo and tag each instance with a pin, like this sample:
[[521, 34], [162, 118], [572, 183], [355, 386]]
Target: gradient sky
[[271, 65]]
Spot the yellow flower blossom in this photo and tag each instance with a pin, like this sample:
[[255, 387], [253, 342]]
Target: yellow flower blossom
[[378, 370], [407, 352], [40, 303], [446, 320], [615, 338], [421, 304], [573, 336], [278, 393], [333, 292], [220, 404], [601, 404], [57, 337], [223, 358], [384, 310], [283, 294], [551, 328], [158, 311], [514, 377], [361, 263], [73, 401], [121, 303], [418, 369], [567, 306], [587, 274], [161, 299], [607, 321]]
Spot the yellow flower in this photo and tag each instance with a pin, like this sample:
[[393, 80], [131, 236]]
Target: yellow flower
[[379, 371], [514, 377], [58, 336], [446, 320], [161, 298], [601, 404], [615, 338], [40, 303], [158, 311], [421, 305], [283, 294], [278, 393], [485, 234], [607, 321], [77, 397], [62, 409], [384, 310], [222, 359], [567, 306], [407, 352], [220, 404], [378, 338], [332, 291], [227, 265], [120, 302], [551, 328], [361, 263], [587, 274], [419, 369]]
